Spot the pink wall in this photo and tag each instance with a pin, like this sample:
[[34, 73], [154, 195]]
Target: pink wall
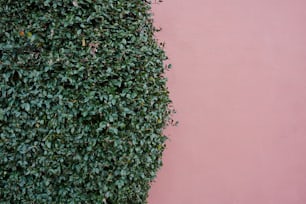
[[239, 86]]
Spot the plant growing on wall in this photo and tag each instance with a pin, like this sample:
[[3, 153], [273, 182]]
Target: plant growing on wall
[[83, 101]]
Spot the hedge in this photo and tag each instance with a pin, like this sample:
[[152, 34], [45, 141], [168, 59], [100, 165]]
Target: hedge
[[83, 101]]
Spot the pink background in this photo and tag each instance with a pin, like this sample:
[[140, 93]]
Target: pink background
[[239, 86]]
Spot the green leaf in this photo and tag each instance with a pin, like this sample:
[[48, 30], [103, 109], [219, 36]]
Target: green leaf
[[48, 144], [26, 107]]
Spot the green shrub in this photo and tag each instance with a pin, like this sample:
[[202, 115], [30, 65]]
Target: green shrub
[[83, 101]]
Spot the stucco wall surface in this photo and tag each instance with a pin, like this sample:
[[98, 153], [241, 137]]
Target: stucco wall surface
[[239, 87]]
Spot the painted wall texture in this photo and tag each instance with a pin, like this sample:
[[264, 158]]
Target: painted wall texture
[[239, 86]]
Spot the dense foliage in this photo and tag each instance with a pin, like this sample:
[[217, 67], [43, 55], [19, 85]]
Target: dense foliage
[[83, 101]]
